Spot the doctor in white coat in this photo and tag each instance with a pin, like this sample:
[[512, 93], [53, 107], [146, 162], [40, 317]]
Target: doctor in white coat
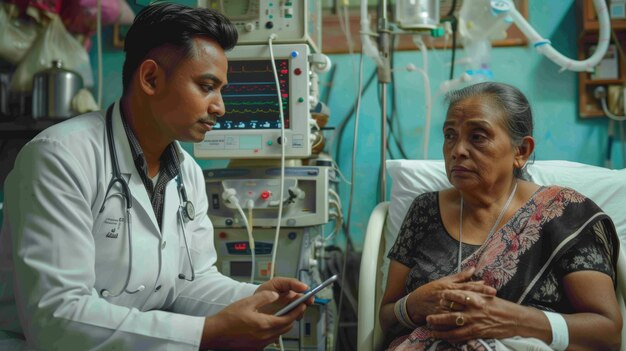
[[82, 266]]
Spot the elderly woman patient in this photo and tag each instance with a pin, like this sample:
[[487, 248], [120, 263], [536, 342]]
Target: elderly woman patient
[[498, 262]]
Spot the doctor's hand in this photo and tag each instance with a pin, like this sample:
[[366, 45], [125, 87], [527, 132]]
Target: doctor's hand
[[282, 285], [288, 288], [243, 325]]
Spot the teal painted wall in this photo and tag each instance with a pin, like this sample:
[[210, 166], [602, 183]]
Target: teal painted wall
[[559, 132]]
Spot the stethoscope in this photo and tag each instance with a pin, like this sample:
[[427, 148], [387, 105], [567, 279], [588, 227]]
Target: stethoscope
[[186, 211]]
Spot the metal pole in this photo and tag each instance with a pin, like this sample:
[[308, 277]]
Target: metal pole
[[383, 142], [384, 77]]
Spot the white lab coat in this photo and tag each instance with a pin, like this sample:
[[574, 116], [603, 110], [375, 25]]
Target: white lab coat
[[55, 255]]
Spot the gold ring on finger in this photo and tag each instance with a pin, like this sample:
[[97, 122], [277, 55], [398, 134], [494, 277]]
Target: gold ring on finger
[[460, 320], [451, 305], [467, 299]]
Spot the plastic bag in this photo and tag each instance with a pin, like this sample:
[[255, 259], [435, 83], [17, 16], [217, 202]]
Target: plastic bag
[[54, 43], [17, 34], [79, 16]]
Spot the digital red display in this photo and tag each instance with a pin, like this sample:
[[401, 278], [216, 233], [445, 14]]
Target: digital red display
[[240, 246]]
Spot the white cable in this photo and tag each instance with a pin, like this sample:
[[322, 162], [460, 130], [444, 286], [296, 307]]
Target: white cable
[[250, 237], [99, 48], [352, 182], [333, 142], [313, 123], [337, 206], [344, 24], [608, 112], [341, 176], [367, 45], [249, 225], [337, 198], [338, 223], [333, 192], [230, 195], [282, 156], [337, 215], [317, 140]]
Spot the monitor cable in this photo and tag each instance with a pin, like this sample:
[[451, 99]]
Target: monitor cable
[[283, 141]]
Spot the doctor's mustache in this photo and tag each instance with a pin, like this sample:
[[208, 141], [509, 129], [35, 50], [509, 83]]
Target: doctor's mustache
[[212, 119]]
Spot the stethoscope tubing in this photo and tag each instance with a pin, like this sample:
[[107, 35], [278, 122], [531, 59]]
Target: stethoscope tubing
[[117, 178]]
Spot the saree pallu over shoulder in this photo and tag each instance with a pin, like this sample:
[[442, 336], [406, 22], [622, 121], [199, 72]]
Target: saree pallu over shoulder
[[517, 257]]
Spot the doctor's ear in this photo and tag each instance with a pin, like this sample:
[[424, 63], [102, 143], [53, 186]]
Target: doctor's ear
[[148, 73]]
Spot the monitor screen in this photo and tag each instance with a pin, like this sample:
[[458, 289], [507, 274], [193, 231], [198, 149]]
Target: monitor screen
[[250, 97], [251, 125]]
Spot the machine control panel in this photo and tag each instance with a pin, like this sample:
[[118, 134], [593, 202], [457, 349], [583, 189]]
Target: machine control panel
[[305, 197]]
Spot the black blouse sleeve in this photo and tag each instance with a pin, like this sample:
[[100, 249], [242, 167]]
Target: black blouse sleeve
[[588, 254], [413, 228]]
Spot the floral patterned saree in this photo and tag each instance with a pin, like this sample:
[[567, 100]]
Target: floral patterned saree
[[516, 258]]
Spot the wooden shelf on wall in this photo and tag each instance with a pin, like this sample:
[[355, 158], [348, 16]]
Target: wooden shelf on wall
[[588, 105], [334, 40], [590, 19]]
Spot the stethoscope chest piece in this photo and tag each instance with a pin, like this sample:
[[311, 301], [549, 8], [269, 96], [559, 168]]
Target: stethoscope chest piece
[[189, 211]]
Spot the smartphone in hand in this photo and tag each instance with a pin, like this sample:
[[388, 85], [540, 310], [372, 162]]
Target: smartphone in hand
[[306, 296]]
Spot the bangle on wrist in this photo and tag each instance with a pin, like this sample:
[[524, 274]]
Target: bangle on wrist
[[560, 334], [402, 314]]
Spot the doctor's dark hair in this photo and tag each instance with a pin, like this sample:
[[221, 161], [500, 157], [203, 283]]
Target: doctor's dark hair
[[175, 26], [515, 108]]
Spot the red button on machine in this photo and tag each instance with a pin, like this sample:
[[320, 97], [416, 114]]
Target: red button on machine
[[265, 195]]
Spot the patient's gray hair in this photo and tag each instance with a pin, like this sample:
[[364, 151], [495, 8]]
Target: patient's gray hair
[[518, 117]]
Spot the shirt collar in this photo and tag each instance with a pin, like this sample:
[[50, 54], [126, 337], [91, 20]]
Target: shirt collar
[[170, 159]]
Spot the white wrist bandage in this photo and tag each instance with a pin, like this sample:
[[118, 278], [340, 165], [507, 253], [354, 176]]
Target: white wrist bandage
[[560, 334]]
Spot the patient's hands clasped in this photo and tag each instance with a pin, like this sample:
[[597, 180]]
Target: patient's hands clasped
[[474, 315], [429, 299]]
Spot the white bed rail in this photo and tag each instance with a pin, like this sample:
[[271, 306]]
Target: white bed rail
[[369, 335]]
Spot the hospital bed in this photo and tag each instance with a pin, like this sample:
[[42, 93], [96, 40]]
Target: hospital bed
[[410, 178]]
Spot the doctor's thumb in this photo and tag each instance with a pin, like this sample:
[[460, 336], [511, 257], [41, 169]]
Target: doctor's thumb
[[263, 298]]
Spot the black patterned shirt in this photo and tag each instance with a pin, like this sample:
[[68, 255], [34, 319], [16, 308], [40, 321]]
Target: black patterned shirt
[[170, 164]]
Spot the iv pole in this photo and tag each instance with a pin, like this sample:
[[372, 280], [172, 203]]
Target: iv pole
[[384, 78]]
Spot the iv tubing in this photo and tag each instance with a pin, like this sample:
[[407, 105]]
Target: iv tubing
[[368, 46], [544, 47], [422, 47]]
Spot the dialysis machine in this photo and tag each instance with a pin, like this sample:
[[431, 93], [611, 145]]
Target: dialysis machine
[[300, 245], [271, 91]]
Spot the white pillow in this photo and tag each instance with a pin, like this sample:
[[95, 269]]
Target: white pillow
[[410, 178]]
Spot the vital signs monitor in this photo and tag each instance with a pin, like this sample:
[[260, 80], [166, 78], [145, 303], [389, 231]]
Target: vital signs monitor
[[251, 126]]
